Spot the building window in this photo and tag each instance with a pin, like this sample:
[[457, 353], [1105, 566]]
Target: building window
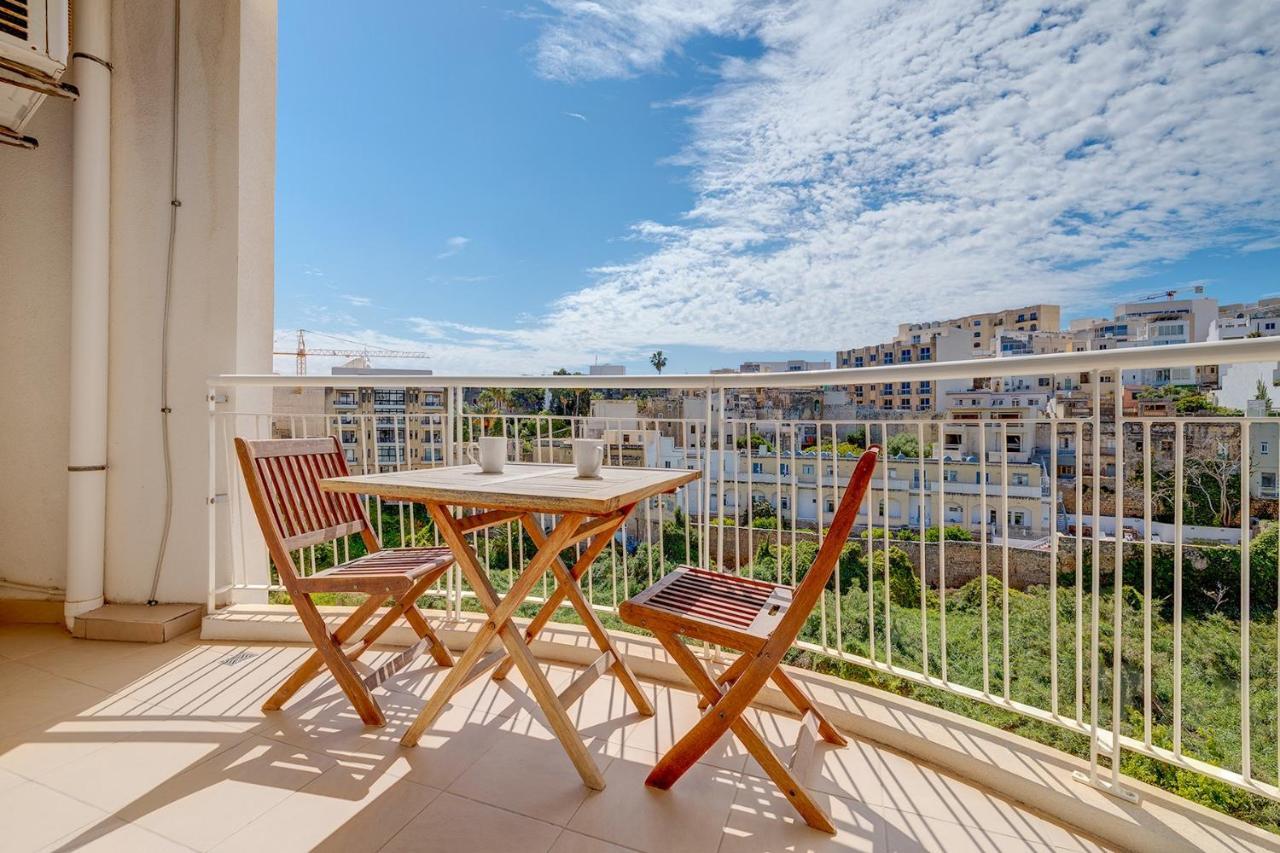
[[888, 358], [1021, 480], [857, 361], [785, 469], [1013, 443], [925, 353], [977, 323], [786, 502], [388, 398], [1268, 481], [757, 467], [807, 470], [887, 389], [1264, 447], [344, 398]]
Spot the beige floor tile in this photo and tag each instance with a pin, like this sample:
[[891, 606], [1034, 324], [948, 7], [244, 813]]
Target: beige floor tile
[[573, 842], [613, 718], [83, 658], [920, 789], [225, 681], [41, 696], [10, 780], [123, 671], [18, 641], [529, 776], [451, 824], [341, 810], [689, 817], [852, 771], [492, 698], [36, 816], [132, 768], [452, 744], [912, 833], [219, 796], [762, 819], [113, 835], [44, 749]]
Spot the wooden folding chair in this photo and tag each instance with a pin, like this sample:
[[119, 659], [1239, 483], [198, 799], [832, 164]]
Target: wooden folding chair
[[282, 476], [761, 620]]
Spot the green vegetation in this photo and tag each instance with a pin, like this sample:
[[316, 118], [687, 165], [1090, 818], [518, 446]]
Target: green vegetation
[[1211, 633], [1187, 400], [757, 442]]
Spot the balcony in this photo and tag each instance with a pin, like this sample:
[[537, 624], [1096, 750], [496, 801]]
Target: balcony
[[163, 747], [966, 623]]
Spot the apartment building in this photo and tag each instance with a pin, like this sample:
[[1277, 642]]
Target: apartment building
[[1259, 319], [971, 336], [804, 487], [385, 428], [1160, 322], [794, 365]]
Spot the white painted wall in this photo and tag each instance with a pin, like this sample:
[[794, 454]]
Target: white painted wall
[[35, 292], [222, 296]]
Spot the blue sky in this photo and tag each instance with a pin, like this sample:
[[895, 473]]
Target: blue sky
[[516, 187]]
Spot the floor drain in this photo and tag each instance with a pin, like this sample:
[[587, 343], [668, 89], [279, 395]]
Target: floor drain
[[238, 658]]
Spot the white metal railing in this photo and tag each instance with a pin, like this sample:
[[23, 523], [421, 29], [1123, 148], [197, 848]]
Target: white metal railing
[[1105, 663]]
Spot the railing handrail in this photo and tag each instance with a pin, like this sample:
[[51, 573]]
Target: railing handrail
[[1245, 350]]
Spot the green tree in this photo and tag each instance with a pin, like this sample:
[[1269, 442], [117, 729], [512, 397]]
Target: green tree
[[1263, 394], [658, 360], [903, 444], [756, 441], [904, 587]]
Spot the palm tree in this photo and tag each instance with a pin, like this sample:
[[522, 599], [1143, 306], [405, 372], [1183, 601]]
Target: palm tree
[[658, 360]]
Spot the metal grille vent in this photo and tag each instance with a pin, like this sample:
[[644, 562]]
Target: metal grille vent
[[238, 658], [14, 18]]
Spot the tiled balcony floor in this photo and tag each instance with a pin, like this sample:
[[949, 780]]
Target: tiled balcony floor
[[126, 747]]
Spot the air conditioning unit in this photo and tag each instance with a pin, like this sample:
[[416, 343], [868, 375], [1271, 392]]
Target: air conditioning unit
[[35, 46]]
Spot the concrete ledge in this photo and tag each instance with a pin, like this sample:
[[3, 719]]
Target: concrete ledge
[[138, 623], [1012, 767]]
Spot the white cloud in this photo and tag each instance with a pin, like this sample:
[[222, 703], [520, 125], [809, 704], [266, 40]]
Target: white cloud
[[453, 246], [358, 301], [884, 161], [578, 116]]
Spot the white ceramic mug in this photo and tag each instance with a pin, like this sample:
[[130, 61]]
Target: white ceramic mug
[[588, 456], [492, 454]]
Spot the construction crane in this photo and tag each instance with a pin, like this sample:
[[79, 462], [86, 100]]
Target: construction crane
[[1169, 294], [301, 353]]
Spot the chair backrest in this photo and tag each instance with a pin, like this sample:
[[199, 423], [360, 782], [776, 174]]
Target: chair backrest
[[283, 477], [815, 580]]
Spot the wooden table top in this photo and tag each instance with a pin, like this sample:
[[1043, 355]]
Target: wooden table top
[[522, 486]]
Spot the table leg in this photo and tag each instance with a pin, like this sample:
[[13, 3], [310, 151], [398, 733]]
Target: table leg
[[500, 611], [567, 583], [558, 594]]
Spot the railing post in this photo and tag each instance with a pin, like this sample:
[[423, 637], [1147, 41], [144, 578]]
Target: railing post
[[211, 501]]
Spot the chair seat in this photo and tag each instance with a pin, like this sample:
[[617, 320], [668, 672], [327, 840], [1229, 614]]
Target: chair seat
[[714, 606], [389, 569]]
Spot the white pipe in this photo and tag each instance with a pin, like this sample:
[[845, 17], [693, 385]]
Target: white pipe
[[90, 289]]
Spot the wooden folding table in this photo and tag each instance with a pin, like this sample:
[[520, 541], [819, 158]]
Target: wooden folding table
[[589, 511]]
